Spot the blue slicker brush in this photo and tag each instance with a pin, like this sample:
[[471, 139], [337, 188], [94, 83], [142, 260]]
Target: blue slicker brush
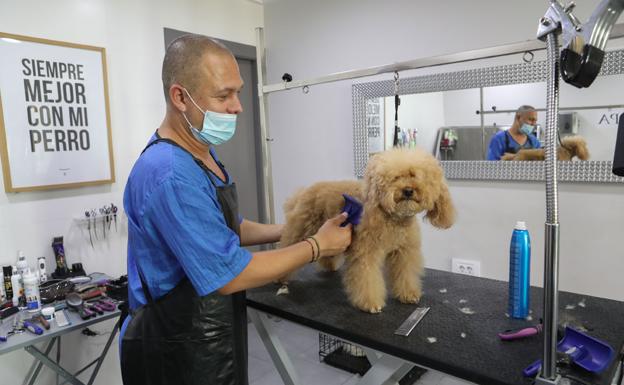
[[354, 209]]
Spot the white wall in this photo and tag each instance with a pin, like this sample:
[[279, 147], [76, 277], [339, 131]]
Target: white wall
[[132, 33], [313, 132]]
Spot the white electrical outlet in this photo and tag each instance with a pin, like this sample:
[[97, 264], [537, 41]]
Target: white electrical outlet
[[465, 266]]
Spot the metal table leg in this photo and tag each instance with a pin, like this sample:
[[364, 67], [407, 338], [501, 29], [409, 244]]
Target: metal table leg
[[385, 370], [103, 355], [58, 357], [52, 365], [68, 377], [100, 359], [280, 358], [33, 372], [372, 355]]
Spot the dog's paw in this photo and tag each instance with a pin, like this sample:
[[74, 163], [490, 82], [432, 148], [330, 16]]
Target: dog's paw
[[283, 290], [374, 310], [412, 296], [370, 307]]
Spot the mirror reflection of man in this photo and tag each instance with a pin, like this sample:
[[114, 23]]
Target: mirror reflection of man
[[519, 136]]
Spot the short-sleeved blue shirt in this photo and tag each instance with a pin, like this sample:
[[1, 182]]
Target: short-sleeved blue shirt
[[175, 226], [503, 142]]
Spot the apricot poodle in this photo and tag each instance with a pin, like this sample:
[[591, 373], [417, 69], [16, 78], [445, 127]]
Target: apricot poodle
[[398, 184]]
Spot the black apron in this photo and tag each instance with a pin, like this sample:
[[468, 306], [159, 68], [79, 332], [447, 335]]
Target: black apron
[[514, 150], [185, 339]]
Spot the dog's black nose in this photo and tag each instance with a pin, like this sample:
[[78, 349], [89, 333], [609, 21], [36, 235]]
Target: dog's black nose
[[408, 192]]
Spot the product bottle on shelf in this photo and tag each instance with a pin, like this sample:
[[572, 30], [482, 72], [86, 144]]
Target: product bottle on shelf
[[41, 264], [519, 272], [18, 290], [8, 288], [22, 264], [31, 291], [2, 290]]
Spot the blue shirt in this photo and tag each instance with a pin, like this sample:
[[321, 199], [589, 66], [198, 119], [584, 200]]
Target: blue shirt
[[176, 228], [503, 142]]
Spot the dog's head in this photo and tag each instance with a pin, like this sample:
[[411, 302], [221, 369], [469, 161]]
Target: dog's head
[[572, 146], [404, 182]]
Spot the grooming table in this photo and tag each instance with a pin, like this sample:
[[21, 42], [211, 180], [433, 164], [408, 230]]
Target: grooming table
[[467, 345], [28, 340]]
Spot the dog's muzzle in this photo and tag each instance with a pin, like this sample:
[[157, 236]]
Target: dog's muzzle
[[406, 208], [408, 194]]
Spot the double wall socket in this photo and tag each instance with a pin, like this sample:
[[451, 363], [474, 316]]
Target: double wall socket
[[465, 266]]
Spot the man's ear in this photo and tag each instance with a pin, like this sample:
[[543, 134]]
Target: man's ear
[[178, 97]]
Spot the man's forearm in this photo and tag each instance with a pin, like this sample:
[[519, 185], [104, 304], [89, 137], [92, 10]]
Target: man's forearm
[[253, 233], [268, 266]]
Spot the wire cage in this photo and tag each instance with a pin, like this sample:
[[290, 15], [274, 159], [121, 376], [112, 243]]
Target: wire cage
[[342, 355], [352, 358]]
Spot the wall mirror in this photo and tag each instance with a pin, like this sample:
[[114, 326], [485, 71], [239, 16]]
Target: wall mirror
[[453, 113]]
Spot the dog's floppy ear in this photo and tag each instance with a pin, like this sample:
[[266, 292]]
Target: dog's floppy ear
[[443, 213], [582, 152], [372, 177]]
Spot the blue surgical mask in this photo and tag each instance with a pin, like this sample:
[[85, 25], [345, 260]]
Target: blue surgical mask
[[527, 129], [217, 128]]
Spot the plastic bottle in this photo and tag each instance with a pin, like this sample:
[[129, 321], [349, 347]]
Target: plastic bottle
[[18, 290], [519, 272], [31, 291], [41, 264], [22, 264], [2, 291], [8, 287]]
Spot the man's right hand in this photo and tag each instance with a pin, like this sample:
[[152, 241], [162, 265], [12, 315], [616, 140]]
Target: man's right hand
[[332, 238]]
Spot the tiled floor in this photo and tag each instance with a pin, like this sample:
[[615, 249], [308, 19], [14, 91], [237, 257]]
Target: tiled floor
[[302, 346]]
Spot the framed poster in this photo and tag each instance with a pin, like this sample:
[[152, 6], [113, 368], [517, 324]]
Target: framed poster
[[375, 124], [54, 115]]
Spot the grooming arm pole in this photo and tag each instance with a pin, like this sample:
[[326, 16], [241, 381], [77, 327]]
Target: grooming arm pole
[[549, 28], [581, 59], [551, 250]]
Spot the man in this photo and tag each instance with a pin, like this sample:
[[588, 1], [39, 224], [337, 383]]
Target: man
[[519, 136], [187, 271]]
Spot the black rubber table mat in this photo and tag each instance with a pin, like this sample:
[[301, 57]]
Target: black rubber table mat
[[466, 315]]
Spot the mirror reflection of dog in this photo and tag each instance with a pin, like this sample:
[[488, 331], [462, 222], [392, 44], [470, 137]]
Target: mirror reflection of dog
[[570, 147], [398, 184]]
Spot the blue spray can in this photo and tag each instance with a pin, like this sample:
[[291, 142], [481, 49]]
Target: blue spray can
[[519, 272]]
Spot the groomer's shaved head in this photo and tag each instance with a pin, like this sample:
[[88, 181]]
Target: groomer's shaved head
[[523, 110], [183, 61], [524, 115]]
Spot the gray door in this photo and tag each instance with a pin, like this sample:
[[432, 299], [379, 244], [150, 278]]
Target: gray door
[[242, 154], [239, 154]]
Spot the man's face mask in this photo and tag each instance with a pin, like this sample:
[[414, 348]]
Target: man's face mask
[[527, 129], [217, 128]]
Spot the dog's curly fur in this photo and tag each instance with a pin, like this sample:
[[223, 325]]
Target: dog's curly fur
[[398, 184], [570, 147]]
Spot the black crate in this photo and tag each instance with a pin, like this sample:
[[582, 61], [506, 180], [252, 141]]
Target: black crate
[[347, 356], [342, 355]]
